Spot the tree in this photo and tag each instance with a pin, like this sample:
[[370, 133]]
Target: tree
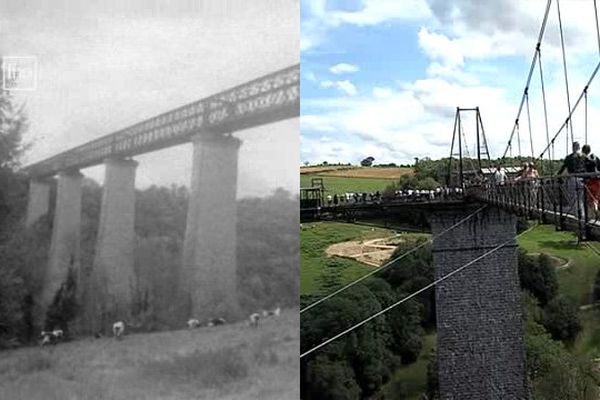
[[367, 162], [561, 319], [538, 276]]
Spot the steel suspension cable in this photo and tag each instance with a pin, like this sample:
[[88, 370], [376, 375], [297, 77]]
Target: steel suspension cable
[[564, 57], [550, 156], [581, 96], [432, 284], [597, 28], [518, 139], [586, 116], [531, 68], [529, 124], [389, 263]]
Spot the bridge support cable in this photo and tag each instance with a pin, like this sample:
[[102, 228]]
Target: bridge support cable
[[531, 68], [581, 96], [518, 138], [389, 263], [597, 27], [564, 58], [410, 296], [529, 124], [586, 115]]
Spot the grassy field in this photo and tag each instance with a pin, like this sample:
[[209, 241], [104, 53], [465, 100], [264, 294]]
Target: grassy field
[[352, 171], [337, 184], [221, 363], [340, 179], [315, 238]]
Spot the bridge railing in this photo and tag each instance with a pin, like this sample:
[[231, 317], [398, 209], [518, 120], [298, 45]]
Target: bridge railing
[[568, 201]]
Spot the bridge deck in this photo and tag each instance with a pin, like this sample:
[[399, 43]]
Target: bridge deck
[[562, 201], [268, 99]]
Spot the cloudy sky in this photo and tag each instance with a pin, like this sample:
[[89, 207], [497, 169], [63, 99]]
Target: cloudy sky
[[383, 78], [105, 65]]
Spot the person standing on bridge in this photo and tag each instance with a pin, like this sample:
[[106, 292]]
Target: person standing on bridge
[[499, 176], [574, 163], [592, 184]]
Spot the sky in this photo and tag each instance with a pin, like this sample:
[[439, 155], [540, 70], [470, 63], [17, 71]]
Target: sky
[[383, 78], [105, 65]]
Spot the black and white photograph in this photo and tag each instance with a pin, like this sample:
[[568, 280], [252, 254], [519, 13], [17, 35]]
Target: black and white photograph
[[149, 209]]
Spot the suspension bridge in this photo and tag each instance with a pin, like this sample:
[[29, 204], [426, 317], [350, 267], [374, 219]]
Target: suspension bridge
[[472, 217]]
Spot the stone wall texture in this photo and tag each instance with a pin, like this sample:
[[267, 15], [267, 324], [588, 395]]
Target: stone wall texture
[[480, 346]]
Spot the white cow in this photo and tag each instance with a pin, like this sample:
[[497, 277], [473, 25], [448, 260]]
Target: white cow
[[58, 333], [216, 321], [254, 319], [275, 312], [193, 323], [118, 329]]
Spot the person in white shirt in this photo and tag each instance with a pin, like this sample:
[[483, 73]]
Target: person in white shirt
[[499, 176]]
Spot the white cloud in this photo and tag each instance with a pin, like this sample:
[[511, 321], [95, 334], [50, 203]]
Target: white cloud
[[343, 68], [345, 86], [378, 11]]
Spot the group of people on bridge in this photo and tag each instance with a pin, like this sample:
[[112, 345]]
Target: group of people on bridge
[[405, 195], [576, 166]]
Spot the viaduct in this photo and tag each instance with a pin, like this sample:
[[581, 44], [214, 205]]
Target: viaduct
[[207, 284]]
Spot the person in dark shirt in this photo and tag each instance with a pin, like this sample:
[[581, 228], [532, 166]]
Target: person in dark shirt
[[574, 162]]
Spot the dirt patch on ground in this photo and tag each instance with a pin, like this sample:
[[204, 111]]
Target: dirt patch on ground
[[372, 252]]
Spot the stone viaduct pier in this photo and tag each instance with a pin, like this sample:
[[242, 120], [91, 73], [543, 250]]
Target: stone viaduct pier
[[208, 274], [480, 345]]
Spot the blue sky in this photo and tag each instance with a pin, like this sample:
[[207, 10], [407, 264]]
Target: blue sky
[[382, 78]]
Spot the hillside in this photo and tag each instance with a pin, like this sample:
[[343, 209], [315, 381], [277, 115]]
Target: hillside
[[221, 363]]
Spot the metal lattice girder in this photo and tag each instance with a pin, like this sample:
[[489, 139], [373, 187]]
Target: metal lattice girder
[[268, 99]]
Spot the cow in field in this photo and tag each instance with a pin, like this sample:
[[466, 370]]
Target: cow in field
[[254, 318], [272, 313], [51, 337], [118, 329], [216, 321], [193, 323]]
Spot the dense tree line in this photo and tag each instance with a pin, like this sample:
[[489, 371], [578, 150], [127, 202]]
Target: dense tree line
[[357, 365]]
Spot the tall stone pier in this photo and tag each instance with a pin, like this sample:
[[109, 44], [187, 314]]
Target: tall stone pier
[[66, 231], [480, 346], [39, 200], [112, 278], [208, 276]]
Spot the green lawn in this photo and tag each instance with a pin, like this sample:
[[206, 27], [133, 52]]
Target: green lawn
[[316, 268], [336, 184], [577, 280]]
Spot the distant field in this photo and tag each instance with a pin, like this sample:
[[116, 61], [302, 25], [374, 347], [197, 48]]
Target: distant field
[[336, 184], [221, 363], [357, 172]]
